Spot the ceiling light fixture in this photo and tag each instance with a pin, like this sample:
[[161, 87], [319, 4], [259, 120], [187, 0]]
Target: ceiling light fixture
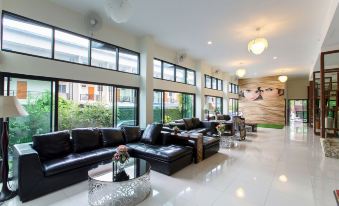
[[119, 10], [283, 78], [240, 73], [258, 45], [275, 58], [209, 43]]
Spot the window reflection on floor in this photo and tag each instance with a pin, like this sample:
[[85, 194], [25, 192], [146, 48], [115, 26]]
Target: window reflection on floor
[[298, 131]]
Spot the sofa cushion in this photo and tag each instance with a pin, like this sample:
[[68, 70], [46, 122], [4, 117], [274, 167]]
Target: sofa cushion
[[131, 133], [161, 153], [85, 139], [210, 141], [227, 117], [52, 145], [196, 122], [188, 123], [111, 137], [151, 133], [77, 160]]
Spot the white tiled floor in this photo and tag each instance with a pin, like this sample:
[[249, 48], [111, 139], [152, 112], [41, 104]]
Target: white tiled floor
[[273, 168]]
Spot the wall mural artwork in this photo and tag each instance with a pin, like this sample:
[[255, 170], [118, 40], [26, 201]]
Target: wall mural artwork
[[262, 100]]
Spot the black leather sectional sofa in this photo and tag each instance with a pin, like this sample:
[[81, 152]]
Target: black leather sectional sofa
[[193, 125], [56, 160]]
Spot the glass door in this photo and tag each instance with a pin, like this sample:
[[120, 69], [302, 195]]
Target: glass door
[[298, 110]]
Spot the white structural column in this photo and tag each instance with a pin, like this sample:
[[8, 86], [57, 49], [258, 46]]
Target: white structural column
[[146, 80], [200, 96]]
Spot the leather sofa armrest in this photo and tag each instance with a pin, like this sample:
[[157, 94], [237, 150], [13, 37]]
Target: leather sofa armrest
[[210, 125], [28, 168], [164, 138], [167, 129]]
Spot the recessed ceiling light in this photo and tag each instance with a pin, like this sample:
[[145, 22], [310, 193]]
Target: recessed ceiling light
[[209, 43], [275, 58]]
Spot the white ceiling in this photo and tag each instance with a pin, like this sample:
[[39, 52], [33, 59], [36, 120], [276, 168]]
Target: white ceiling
[[292, 27]]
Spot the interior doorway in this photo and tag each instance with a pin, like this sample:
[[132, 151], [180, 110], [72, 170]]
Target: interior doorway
[[298, 110]]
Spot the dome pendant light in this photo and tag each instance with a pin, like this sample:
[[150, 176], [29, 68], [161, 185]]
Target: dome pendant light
[[283, 78], [241, 72], [119, 10], [258, 45]]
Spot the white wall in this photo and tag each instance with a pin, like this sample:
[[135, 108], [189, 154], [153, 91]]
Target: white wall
[[50, 13]]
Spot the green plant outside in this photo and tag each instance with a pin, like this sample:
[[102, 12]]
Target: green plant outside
[[273, 126]]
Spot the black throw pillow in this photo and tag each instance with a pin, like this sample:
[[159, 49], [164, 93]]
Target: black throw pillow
[[85, 139], [196, 122], [188, 123], [131, 133], [52, 145], [112, 137], [151, 133]]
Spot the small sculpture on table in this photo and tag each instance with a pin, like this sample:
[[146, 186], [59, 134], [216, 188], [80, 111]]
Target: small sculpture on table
[[176, 130]]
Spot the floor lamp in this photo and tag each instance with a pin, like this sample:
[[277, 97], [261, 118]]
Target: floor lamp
[[9, 107]]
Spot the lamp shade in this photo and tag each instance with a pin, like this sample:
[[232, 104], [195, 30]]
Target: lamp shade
[[283, 78], [240, 73], [10, 107], [257, 46], [209, 106]]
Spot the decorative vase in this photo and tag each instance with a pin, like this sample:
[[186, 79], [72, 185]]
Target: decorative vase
[[121, 166]]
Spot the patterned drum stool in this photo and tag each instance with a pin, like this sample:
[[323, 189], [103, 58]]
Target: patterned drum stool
[[123, 187]]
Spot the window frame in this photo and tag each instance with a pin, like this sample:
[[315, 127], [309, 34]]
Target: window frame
[[55, 99], [217, 97], [4, 12], [163, 102], [175, 72], [217, 80]]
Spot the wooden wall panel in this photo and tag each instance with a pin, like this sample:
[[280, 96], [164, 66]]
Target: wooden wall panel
[[262, 100]]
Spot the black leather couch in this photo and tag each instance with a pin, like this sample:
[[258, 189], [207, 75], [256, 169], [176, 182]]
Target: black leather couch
[[193, 125], [55, 160]]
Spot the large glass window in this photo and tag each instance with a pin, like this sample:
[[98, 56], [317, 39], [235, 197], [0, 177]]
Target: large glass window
[[180, 75], [27, 36], [214, 83], [70, 47], [22, 35], [216, 102], [84, 105], [36, 98], [233, 106], [219, 84], [172, 72], [176, 106], [190, 77], [128, 61], [233, 88], [157, 106], [168, 71], [157, 73], [208, 82], [103, 55], [126, 109]]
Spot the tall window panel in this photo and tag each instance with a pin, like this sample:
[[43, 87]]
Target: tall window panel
[[103, 55], [176, 106], [180, 75], [36, 98], [22, 35], [208, 82], [214, 83], [71, 48], [157, 106], [220, 85], [126, 107], [233, 106], [173, 106], [190, 77], [168, 71], [84, 105], [157, 71], [128, 61], [216, 102], [188, 105]]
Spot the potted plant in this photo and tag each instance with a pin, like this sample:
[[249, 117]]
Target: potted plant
[[176, 130], [221, 129]]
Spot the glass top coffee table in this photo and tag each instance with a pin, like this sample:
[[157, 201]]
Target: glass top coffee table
[[109, 185]]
